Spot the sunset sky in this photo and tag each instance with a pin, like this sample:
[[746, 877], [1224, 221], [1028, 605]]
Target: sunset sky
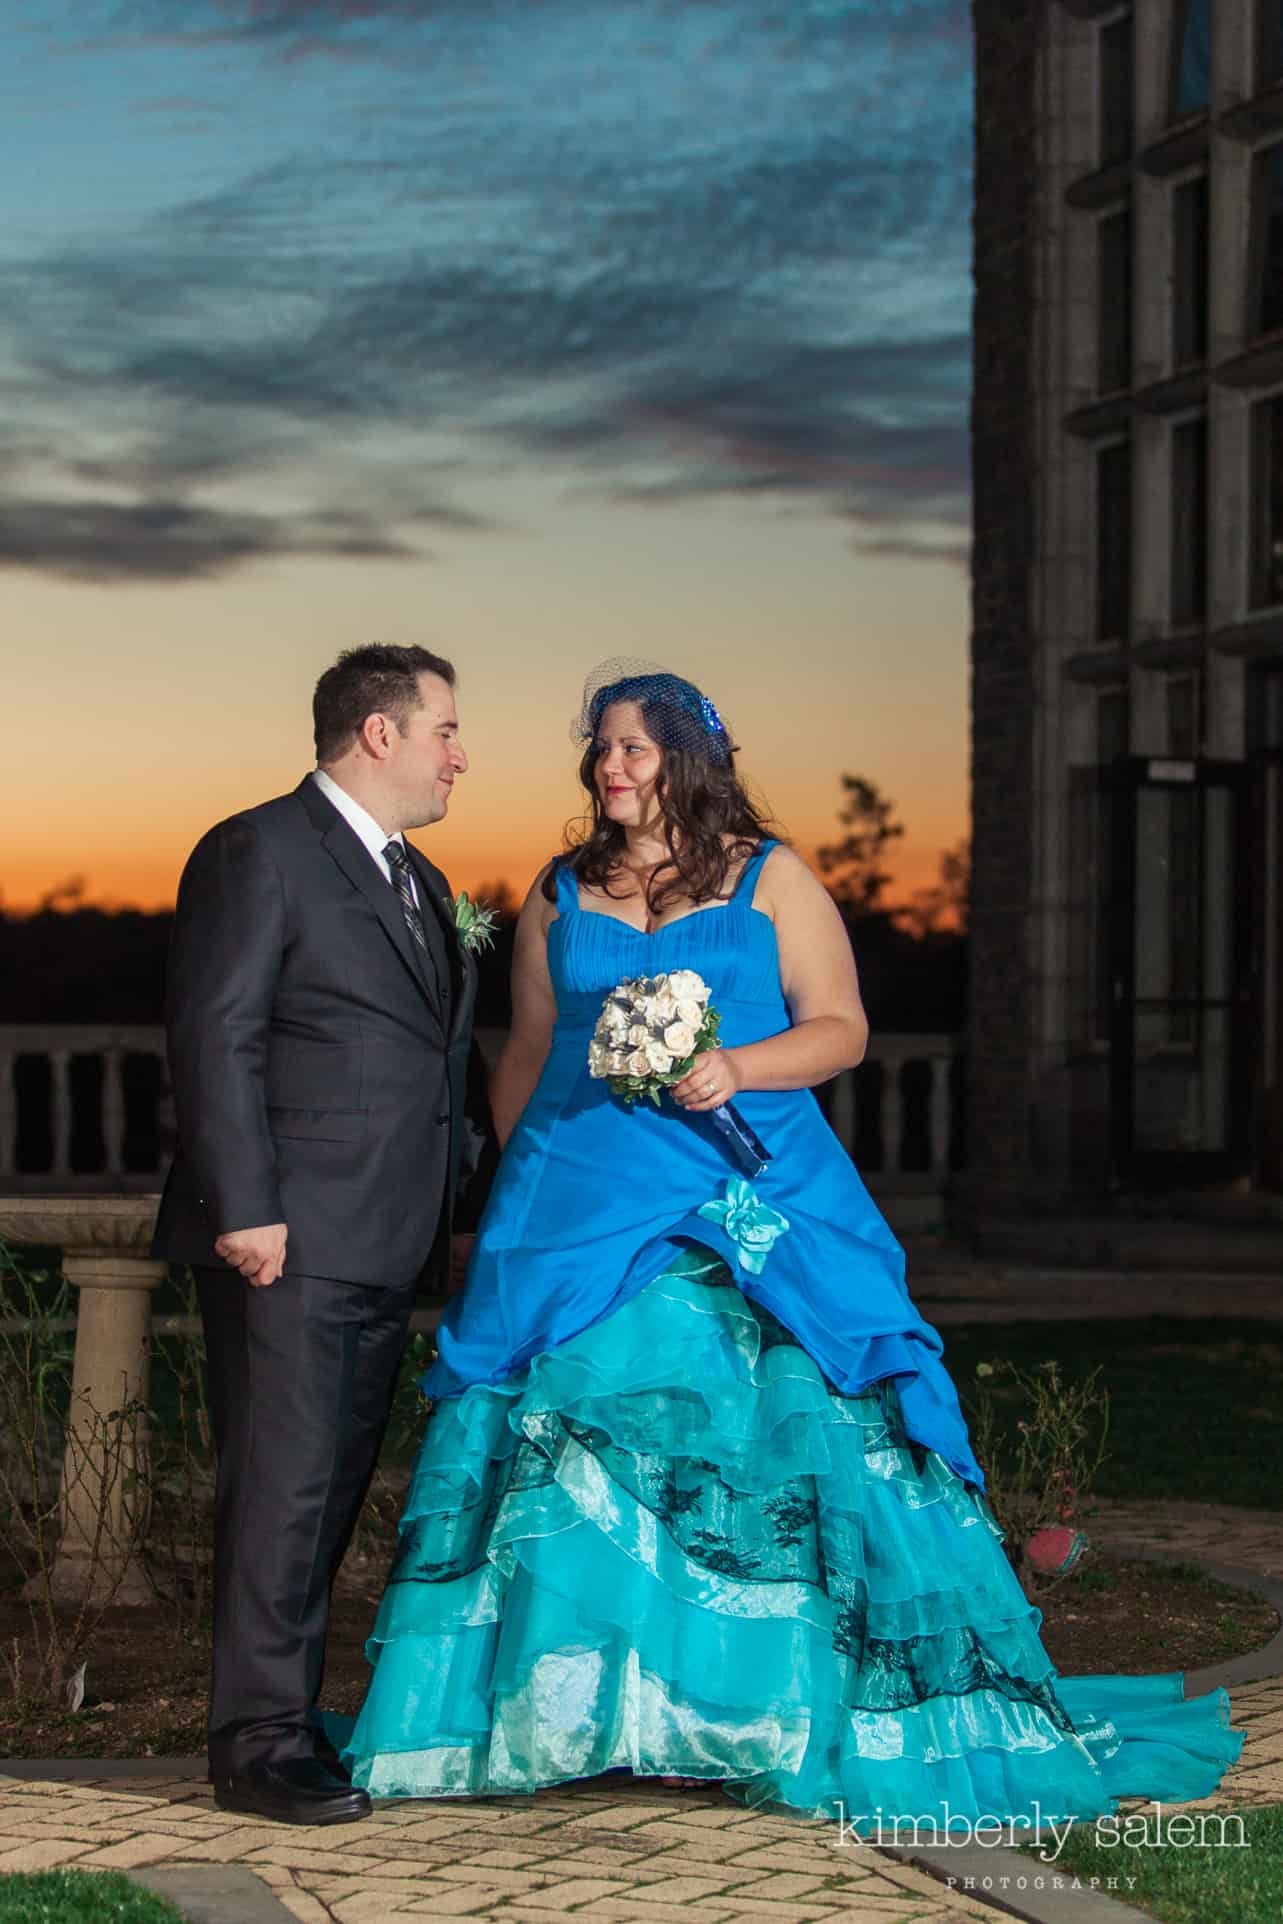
[[536, 331]]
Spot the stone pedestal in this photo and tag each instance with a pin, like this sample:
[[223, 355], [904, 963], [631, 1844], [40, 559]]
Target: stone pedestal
[[104, 1499], [104, 1240]]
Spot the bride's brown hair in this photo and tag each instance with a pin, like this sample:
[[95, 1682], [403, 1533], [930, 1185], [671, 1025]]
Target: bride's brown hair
[[710, 822]]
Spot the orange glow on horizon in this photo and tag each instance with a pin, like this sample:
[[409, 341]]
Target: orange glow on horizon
[[149, 884], [822, 661]]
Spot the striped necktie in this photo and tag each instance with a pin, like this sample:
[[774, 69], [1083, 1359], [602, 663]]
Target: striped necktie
[[399, 865]]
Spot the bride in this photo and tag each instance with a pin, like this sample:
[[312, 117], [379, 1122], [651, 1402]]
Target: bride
[[696, 1497]]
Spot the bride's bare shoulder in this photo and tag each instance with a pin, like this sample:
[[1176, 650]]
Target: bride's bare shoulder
[[540, 906]]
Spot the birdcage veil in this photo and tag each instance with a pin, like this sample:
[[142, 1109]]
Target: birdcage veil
[[677, 714]]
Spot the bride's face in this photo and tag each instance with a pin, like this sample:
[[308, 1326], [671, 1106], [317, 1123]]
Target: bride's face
[[627, 766]]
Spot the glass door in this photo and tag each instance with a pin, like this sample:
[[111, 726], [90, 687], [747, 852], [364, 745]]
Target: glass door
[[1180, 1067]]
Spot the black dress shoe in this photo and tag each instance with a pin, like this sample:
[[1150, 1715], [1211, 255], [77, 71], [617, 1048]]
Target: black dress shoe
[[298, 1790]]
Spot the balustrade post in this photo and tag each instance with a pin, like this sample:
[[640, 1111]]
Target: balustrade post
[[892, 1115], [939, 1117], [842, 1110], [60, 1111], [8, 1115], [113, 1111]]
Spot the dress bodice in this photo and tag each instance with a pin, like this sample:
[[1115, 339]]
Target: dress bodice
[[733, 947]]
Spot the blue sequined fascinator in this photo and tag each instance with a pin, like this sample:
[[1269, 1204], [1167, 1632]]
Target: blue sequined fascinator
[[676, 713]]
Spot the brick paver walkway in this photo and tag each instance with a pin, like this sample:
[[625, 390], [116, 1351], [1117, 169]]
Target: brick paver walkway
[[585, 1852], [590, 1851], [1204, 1532]]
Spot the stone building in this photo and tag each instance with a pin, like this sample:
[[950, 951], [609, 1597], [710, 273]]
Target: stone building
[[1127, 1001]]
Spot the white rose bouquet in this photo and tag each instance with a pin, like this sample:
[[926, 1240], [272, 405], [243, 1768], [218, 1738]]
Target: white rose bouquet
[[650, 1030]]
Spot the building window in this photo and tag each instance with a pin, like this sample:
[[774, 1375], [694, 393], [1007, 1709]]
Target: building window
[[1114, 345], [1265, 295], [1113, 724], [1191, 56], [1113, 541], [1189, 523], [1189, 272], [1184, 705], [1267, 504], [1117, 90], [1091, 869], [1269, 45], [1268, 710]]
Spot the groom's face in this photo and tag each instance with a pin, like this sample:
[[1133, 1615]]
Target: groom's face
[[429, 756]]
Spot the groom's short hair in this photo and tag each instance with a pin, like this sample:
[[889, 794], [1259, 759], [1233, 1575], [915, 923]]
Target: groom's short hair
[[375, 680]]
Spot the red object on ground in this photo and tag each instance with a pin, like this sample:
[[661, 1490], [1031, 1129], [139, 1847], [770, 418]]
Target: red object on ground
[[1053, 1551]]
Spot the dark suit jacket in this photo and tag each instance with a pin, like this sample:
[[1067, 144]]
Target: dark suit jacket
[[318, 1081]]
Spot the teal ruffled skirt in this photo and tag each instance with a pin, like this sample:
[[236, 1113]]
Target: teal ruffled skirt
[[668, 1546]]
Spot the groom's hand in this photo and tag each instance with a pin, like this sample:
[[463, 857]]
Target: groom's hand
[[259, 1254]]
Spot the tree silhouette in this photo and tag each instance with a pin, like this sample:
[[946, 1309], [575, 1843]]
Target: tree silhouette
[[853, 867], [947, 904]]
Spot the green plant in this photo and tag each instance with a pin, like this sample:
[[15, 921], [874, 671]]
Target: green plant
[[1040, 1469], [410, 1407], [1195, 1403], [72, 1501], [81, 1897]]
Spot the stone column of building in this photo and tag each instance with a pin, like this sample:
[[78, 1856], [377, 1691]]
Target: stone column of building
[[1002, 660]]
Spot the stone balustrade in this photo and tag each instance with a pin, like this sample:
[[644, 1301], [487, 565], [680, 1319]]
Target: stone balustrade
[[83, 1107], [87, 1109]]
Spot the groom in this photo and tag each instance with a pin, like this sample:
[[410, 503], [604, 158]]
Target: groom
[[319, 1011]]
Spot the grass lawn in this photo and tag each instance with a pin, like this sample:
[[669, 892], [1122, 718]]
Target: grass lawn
[[1196, 1405], [1234, 1873], [80, 1897]]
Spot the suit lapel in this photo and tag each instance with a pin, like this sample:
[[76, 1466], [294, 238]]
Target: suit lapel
[[434, 899], [363, 872]]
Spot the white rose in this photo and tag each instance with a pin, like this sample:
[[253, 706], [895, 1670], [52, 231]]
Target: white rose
[[659, 1058], [598, 1059], [679, 1037], [619, 1062], [691, 1012], [663, 1008], [687, 986], [639, 1035], [614, 1019], [638, 1063]]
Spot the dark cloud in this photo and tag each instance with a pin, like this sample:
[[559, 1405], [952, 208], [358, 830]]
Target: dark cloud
[[662, 249], [956, 553], [90, 540], [876, 429]]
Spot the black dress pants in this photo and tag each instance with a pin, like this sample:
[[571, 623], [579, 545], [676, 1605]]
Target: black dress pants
[[301, 1376]]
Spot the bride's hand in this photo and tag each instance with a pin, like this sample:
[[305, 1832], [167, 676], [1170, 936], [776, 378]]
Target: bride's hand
[[712, 1079]]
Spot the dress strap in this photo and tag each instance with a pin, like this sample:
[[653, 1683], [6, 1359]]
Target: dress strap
[[744, 888], [567, 888]]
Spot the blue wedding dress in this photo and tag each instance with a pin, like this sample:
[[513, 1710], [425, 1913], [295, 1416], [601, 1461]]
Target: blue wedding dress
[[696, 1494]]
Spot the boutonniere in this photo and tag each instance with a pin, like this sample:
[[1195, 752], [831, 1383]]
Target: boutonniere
[[476, 925]]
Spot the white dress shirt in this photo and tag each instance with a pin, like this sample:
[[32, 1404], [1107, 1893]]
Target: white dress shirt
[[363, 825]]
